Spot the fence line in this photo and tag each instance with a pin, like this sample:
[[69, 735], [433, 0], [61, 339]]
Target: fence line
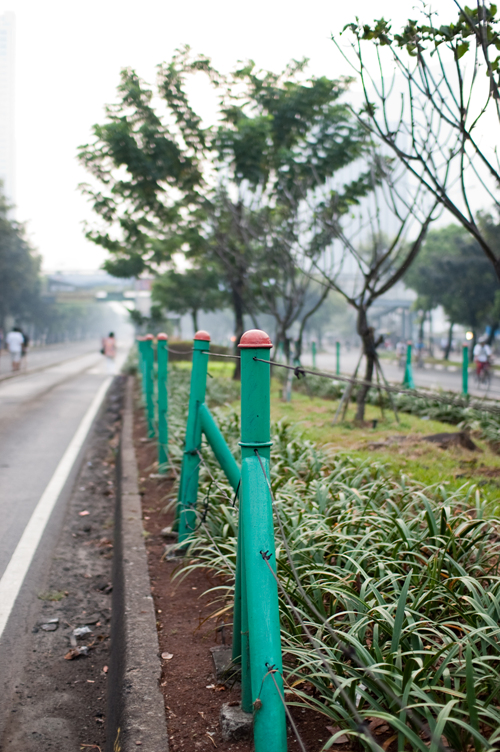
[[256, 628], [458, 401]]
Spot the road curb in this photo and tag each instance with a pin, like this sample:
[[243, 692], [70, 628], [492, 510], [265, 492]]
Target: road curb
[[136, 711]]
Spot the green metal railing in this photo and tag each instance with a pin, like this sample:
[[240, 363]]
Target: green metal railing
[[256, 627], [408, 380], [465, 369], [162, 401]]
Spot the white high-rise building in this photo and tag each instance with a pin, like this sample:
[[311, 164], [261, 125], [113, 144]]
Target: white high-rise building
[[7, 140]]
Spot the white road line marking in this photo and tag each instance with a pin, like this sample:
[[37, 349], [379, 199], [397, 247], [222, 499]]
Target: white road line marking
[[21, 559]]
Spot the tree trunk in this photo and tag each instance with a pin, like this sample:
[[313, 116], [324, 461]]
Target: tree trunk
[[421, 329], [449, 343], [287, 386], [194, 317], [494, 329], [369, 349], [238, 325]]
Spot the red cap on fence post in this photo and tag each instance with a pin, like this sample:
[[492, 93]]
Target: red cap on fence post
[[149, 337], [202, 335], [162, 336], [255, 338]]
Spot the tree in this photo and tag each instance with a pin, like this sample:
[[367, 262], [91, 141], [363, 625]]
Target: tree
[[166, 184], [452, 271], [450, 92], [283, 140], [190, 291], [371, 251], [19, 270]]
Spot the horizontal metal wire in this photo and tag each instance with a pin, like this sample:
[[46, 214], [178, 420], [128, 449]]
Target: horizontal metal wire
[[457, 401]]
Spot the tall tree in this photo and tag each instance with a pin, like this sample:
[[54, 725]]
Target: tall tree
[[452, 271], [19, 271], [190, 291], [283, 141], [438, 123], [165, 183]]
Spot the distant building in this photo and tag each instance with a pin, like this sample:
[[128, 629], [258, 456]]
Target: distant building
[[7, 140]]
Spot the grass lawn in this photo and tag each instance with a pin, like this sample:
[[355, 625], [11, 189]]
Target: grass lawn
[[424, 461], [420, 459]]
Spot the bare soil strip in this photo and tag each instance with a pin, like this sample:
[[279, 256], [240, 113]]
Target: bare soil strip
[[193, 698]]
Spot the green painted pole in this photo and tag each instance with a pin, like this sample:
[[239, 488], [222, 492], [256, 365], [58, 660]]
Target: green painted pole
[[337, 348], [188, 489], [408, 381], [258, 536], [149, 359], [140, 350], [465, 369], [241, 650], [162, 396], [219, 446], [313, 347]]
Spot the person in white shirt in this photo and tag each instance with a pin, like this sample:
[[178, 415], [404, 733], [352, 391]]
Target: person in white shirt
[[482, 354], [15, 342]]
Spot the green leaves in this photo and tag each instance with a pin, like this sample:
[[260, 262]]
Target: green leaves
[[401, 575]]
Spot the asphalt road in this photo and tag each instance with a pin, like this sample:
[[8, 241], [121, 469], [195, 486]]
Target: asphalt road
[[435, 377], [40, 413], [41, 357]]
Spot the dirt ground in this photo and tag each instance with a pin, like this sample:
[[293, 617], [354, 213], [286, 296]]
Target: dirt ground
[[60, 704], [193, 698]]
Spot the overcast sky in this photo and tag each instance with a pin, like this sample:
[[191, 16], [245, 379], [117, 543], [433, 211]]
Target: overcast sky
[[68, 59]]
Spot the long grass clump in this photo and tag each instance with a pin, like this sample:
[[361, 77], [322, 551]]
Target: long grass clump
[[397, 584]]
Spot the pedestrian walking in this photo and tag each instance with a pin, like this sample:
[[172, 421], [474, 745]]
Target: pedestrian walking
[[109, 351], [24, 350], [15, 342]]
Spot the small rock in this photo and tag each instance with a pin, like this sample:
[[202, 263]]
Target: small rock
[[76, 652], [167, 532], [92, 619], [167, 656], [49, 627], [235, 724], [81, 631]]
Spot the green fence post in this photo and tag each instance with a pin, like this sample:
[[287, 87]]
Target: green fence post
[[259, 549], [465, 369], [313, 347], [337, 367], [188, 489], [219, 447], [140, 351], [149, 360], [408, 381], [162, 358]]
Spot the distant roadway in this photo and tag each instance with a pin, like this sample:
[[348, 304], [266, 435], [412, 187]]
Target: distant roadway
[[433, 377]]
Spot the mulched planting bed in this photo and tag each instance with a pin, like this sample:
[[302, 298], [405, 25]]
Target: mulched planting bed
[[193, 698]]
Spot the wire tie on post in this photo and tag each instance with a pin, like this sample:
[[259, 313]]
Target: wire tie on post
[[266, 556], [236, 492], [299, 372]]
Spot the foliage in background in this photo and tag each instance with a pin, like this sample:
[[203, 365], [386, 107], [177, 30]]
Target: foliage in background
[[453, 272], [431, 95], [22, 298], [397, 583], [191, 291], [19, 271], [248, 197]]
